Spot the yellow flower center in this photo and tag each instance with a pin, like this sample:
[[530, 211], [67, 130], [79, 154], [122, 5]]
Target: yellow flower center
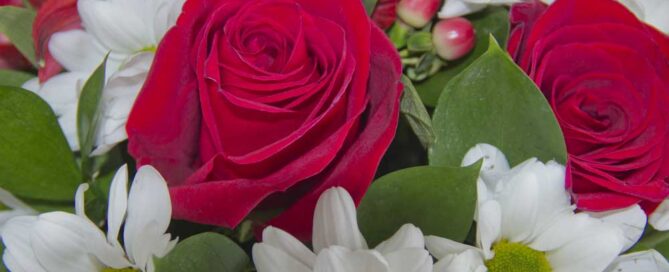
[[514, 257], [151, 48]]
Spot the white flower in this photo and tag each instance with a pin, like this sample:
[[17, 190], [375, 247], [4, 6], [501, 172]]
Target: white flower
[[456, 8], [16, 208], [525, 220], [339, 246], [653, 12], [644, 261], [130, 30], [59, 241]]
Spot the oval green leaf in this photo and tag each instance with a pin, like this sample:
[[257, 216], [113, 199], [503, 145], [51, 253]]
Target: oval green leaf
[[205, 252], [37, 162], [439, 200], [88, 116], [17, 24], [494, 102], [14, 78], [493, 20]]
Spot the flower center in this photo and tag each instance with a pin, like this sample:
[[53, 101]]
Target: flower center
[[120, 270], [151, 48], [514, 257]]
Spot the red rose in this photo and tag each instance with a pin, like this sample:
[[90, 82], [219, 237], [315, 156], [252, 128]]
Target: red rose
[[606, 75], [269, 101], [10, 57]]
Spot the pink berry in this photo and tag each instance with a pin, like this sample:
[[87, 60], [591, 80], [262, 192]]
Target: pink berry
[[453, 38], [417, 13]]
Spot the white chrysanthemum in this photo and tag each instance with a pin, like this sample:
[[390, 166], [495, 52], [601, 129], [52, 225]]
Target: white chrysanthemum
[[339, 246], [130, 30], [525, 221], [59, 241], [456, 8]]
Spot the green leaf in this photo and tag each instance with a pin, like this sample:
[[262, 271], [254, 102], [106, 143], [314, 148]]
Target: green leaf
[[416, 114], [370, 5], [36, 162], [17, 24], [2, 264], [438, 200], [14, 78], [420, 42], [204, 252], [494, 102], [88, 117], [493, 20]]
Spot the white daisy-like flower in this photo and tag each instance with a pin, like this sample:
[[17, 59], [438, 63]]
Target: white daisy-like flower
[[338, 245], [60, 241], [456, 8], [14, 207], [130, 30], [525, 222]]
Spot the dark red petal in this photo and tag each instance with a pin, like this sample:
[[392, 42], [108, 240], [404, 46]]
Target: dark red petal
[[163, 127], [53, 16], [385, 13], [356, 165]]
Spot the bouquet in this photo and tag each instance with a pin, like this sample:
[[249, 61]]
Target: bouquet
[[344, 136]]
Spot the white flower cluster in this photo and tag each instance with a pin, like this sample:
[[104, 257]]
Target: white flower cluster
[[130, 31], [525, 220]]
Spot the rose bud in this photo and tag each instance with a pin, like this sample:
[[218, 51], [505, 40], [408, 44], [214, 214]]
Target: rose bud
[[453, 38], [417, 13]]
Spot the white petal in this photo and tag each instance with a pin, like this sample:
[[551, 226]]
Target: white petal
[[593, 248], [60, 240], [79, 202], [19, 255], [118, 98], [32, 85], [644, 261], [84, 234], [118, 24], [456, 8], [493, 158], [9, 200], [659, 219], [149, 213], [566, 228], [118, 203], [467, 261], [489, 225], [166, 14], [654, 12], [76, 50], [494, 2], [441, 247], [631, 221], [409, 260], [519, 202], [408, 236], [341, 259], [285, 242], [270, 259], [335, 222]]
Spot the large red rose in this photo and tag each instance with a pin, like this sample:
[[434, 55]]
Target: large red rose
[[606, 75], [266, 103]]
